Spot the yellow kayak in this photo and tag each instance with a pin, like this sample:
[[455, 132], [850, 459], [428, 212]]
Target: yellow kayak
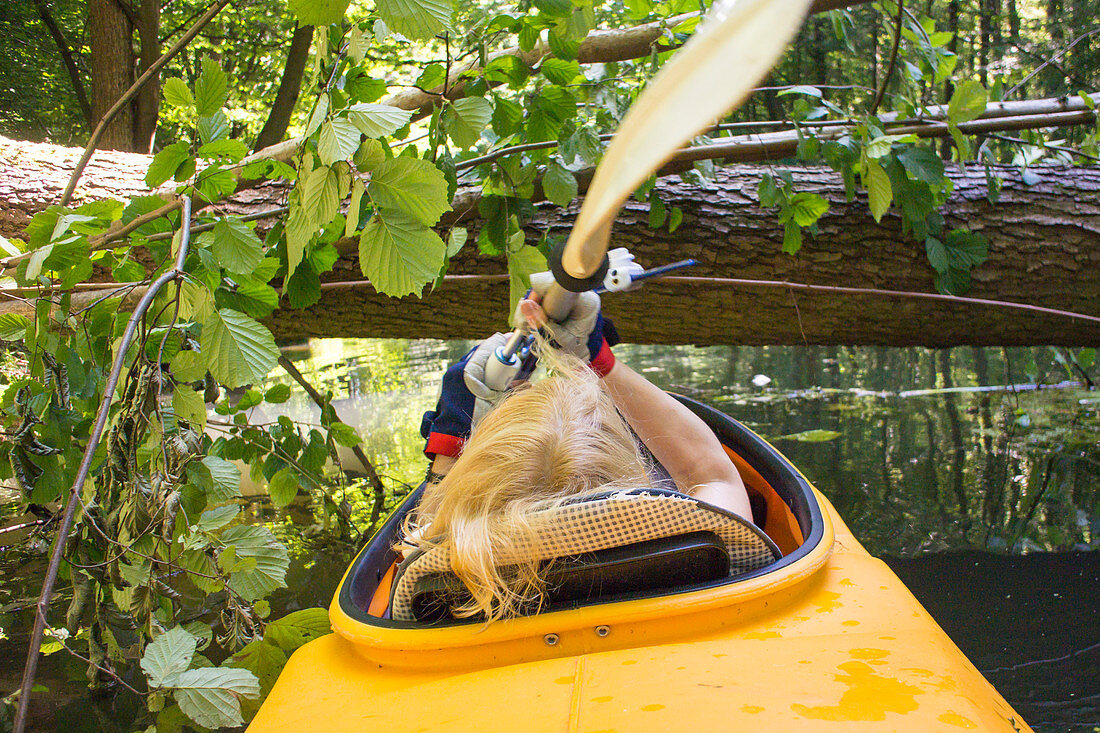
[[823, 638]]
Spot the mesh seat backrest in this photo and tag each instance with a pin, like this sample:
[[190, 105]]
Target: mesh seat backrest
[[603, 521]]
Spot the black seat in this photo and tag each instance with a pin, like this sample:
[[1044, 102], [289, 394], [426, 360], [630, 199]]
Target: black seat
[[636, 570]]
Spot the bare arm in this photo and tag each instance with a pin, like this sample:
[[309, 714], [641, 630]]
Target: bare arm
[[677, 438]]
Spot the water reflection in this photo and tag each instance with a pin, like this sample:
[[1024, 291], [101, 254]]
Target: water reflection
[[911, 453]]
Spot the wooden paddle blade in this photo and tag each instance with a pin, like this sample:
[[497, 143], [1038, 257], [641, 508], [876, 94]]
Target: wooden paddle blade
[[733, 49]]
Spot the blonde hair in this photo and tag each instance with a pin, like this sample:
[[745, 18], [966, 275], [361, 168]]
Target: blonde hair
[[543, 444]]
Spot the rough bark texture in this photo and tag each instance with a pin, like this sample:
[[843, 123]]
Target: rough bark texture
[[147, 103], [1045, 250], [112, 69], [1044, 241]]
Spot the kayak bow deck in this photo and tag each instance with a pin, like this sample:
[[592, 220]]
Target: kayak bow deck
[[826, 638]]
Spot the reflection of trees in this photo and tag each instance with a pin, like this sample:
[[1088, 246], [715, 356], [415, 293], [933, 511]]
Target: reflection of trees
[[906, 474], [957, 451]]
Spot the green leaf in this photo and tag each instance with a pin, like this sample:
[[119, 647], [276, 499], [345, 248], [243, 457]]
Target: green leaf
[[339, 139], [456, 240], [188, 366], [417, 19], [263, 659], [190, 405], [252, 297], [792, 237], [277, 394], [303, 289], [214, 127], [675, 218], [236, 247], [232, 151], [521, 265], [555, 8], [344, 434], [966, 249], [967, 103], [214, 519], [167, 656], [166, 163], [177, 93], [399, 254], [271, 559], [320, 112], [507, 116], [433, 75], [807, 208], [211, 89], [237, 349], [937, 254], [211, 696], [812, 436], [465, 119], [415, 187], [225, 479], [559, 184], [378, 120], [952, 281], [657, 212], [13, 327], [321, 196], [283, 487], [922, 165], [879, 192], [355, 205], [318, 12], [298, 628], [560, 71], [215, 182], [369, 155]]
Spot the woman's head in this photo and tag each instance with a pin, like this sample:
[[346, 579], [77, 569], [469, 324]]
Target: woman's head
[[543, 444]]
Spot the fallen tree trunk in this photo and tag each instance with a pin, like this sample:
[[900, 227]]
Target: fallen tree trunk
[[1044, 249]]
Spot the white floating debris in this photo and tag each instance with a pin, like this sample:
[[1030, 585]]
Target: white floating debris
[[761, 380]]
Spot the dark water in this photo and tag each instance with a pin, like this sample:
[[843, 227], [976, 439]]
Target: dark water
[[986, 503]]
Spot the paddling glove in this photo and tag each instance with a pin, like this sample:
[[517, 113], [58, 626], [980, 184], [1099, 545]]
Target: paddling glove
[[585, 333], [463, 399]]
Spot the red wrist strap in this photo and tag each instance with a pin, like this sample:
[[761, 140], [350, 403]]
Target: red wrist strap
[[604, 360], [441, 444]]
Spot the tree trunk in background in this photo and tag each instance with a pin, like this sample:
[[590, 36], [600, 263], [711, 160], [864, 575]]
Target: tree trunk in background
[[289, 87], [111, 65], [1013, 21], [1044, 250], [1052, 75], [985, 34], [952, 46], [67, 58], [147, 103]]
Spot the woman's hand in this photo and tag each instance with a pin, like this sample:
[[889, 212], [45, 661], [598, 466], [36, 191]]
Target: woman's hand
[[584, 331]]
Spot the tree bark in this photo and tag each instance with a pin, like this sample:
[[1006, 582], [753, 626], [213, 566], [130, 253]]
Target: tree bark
[[1044, 250], [66, 52], [289, 87], [112, 69], [147, 103]]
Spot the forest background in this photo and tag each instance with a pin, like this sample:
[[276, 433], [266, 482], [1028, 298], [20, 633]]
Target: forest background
[[406, 146]]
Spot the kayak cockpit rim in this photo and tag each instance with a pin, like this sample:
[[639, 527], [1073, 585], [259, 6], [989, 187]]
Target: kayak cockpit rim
[[351, 618]]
